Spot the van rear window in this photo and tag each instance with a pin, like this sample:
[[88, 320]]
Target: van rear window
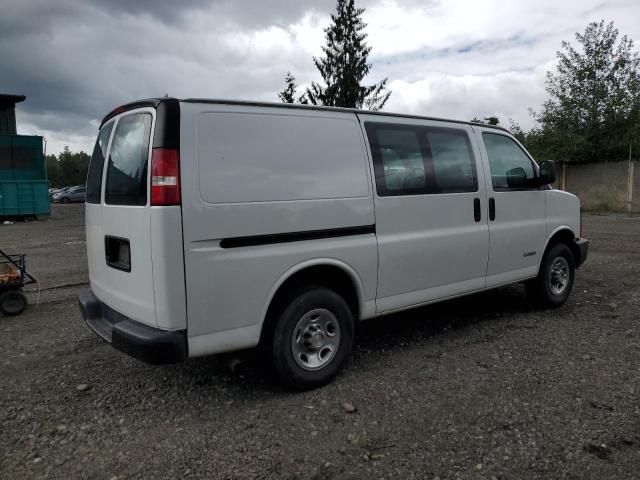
[[96, 166], [128, 159]]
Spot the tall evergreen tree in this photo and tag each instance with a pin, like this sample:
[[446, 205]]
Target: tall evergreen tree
[[289, 93], [344, 64]]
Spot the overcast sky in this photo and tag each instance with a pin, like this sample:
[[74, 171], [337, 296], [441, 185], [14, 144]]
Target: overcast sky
[[75, 60]]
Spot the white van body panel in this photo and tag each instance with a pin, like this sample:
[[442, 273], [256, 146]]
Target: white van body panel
[[279, 156], [167, 259], [129, 293], [307, 170], [560, 212], [153, 292], [518, 233], [248, 336], [366, 304], [429, 245]]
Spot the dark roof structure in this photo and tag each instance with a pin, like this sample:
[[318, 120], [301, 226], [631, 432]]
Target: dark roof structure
[[8, 113]]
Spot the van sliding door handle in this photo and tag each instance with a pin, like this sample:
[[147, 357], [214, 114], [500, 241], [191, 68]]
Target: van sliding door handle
[[492, 209], [477, 215]]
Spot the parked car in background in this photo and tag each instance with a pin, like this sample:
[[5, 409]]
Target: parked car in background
[[70, 195], [53, 191]]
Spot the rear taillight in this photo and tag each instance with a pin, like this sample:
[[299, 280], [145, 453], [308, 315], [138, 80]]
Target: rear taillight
[[165, 177]]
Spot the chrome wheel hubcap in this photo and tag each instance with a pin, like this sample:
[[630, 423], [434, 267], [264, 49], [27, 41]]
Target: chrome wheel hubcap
[[315, 339], [559, 276]]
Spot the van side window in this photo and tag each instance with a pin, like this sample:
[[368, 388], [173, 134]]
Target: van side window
[[511, 168], [416, 160], [96, 165], [128, 158], [453, 163], [401, 160]]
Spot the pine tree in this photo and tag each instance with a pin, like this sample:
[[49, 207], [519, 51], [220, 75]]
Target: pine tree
[[344, 65], [288, 94]]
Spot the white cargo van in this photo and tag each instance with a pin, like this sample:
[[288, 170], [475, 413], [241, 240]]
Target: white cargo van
[[218, 225]]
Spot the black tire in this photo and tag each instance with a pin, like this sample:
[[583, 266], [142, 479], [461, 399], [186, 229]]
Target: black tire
[[12, 303], [64, 200], [300, 310], [545, 290]]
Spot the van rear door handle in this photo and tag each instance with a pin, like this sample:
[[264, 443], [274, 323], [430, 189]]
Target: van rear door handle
[[492, 209], [477, 215], [117, 253]]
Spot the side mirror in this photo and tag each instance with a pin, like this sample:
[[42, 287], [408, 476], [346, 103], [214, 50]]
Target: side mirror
[[547, 172], [516, 178]]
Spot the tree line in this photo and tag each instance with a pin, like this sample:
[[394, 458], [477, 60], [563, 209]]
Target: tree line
[[593, 110], [592, 113], [67, 169]]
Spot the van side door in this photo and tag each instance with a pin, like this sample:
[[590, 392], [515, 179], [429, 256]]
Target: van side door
[[433, 238], [517, 215]]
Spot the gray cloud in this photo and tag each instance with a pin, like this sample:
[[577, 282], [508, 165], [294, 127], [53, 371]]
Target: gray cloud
[[243, 13], [84, 57], [76, 60]]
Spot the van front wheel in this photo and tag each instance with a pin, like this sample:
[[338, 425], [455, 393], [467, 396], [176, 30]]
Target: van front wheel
[[312, 339], [552, 286]]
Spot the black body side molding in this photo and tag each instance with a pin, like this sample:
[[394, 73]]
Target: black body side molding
[[256, 240]]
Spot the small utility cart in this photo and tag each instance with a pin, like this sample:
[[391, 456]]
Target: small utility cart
[[13, 277]]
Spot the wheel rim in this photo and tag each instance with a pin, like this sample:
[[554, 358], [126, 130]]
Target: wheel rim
[[559, 276], [315, 339]]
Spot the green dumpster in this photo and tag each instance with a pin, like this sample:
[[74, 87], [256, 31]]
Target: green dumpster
[[24, 188], [24, 198]]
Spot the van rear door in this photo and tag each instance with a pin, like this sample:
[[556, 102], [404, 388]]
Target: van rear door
[[118, 217]]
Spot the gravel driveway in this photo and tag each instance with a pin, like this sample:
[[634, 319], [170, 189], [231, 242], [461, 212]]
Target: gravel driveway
[[482, 387]]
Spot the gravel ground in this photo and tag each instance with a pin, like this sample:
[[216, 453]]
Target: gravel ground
[[482, 387], [56, 250]]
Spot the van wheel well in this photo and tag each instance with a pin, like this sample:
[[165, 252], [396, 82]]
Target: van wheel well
[[328, 276], [566, 237]]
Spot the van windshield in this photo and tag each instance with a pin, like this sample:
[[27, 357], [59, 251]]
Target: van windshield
[[96, 165], [128, 158]]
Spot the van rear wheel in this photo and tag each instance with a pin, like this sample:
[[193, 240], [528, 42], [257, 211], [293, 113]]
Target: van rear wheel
[[554, 282], [312, 338]]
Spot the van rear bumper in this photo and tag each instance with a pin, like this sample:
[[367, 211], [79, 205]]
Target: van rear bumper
[[133, 338]]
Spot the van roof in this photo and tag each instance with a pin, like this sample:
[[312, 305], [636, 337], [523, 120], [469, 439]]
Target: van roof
[[154, 102]]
